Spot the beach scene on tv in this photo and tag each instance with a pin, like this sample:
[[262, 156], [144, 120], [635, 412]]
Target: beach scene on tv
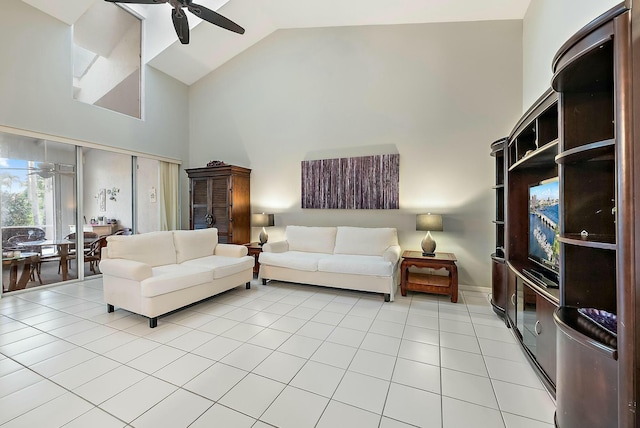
[[543, 224]]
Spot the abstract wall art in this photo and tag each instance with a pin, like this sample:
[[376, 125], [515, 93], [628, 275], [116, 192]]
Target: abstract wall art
[[364, 182]]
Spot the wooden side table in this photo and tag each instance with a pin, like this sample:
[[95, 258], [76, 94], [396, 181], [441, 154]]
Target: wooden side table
[[438, 284], [254, 250]]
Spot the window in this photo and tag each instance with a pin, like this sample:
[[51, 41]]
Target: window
[[26, 189], [39, 204], [107, 59]]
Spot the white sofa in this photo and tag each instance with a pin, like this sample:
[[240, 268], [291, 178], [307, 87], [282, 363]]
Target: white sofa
[[154, 273], [354, 258]]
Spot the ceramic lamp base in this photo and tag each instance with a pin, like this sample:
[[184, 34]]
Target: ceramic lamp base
[[263, 237], [428, 246]]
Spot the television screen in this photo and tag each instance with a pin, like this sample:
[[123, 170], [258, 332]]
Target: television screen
[[544, 248]]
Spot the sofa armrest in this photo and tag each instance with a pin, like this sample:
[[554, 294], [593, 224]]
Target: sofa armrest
[[230, 250], [127, 269], [392, 254], [276, 247]]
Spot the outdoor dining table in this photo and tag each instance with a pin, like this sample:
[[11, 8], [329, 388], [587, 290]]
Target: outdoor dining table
[[14, 261], [62, 246]]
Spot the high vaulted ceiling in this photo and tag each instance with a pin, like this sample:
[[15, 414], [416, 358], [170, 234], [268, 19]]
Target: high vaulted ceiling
[[211, 46]]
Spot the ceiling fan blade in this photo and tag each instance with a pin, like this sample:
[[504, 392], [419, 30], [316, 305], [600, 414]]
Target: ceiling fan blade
[[181, 25], [138, 1], [214, 18]]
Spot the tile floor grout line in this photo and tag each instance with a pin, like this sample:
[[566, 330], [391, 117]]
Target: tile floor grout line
[[45, 378], [162, 341]]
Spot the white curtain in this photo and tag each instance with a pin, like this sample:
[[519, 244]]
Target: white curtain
[[168, 198]]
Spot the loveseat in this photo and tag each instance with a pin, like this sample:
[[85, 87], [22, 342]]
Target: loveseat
[[154, 273], [355, 258]]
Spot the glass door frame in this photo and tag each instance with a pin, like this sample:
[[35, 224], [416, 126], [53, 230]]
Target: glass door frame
[[79, 145]]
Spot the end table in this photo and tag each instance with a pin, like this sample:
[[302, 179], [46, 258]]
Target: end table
[[254, 251], [438, 284]]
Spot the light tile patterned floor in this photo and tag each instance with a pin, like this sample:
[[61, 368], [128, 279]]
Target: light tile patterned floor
[[283, 355]]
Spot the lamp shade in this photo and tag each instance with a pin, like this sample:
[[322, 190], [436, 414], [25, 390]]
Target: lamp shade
[[429, 222], [262, 220]]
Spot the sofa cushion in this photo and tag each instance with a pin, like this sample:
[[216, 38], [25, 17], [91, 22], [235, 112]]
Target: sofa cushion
[[298, 260], [358, 265], [311, 239], [153, 248], [169, 278], [364, 241], [223, 266], [231, 250], [191, 244]]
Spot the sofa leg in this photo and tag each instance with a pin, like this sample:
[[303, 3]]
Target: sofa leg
[[248, 284], [110, 308], [153, 322], [264, 281], [387, 297]]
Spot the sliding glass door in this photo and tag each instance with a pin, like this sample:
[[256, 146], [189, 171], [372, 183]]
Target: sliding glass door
[[107, 192], [37, 205], [46, 199], [147, 185]]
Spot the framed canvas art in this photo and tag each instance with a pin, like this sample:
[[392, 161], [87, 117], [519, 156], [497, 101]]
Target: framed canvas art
[[364, 182]]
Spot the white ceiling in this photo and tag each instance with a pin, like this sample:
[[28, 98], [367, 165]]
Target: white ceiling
[[211, 46]]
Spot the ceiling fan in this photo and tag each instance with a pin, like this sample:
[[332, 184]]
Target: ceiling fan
[[45, 169], [49, 169], [179, 17]]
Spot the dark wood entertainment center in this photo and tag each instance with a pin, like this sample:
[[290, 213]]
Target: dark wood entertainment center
[[498, 266], [582, 132]]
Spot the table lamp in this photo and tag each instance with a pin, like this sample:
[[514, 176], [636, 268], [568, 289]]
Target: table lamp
[[429, 222], [262, 220]]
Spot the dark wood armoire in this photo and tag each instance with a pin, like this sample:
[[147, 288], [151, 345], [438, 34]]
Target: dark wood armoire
[[219, 196]]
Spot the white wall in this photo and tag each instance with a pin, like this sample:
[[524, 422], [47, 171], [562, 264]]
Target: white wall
[[546, 26], [438, 94], [148, 211], [36, 91], [106, 170]]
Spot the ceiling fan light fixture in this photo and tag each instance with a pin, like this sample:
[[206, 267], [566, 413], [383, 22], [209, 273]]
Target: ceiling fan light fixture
[[45, 165], [45, 174]]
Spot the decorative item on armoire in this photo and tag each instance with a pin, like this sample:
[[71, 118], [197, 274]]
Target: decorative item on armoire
[[216, 163]]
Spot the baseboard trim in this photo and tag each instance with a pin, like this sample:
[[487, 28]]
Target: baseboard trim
[[476, 288]]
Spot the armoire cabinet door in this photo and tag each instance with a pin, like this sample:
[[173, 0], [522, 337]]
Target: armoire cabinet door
[[220, 197], [199, 203], [220, 207]]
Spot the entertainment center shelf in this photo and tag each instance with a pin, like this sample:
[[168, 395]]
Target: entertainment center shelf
[[498, 266], [603, 242], [551, 294], [530, 167], [586, 332], [568, 216], [540, 157], [598, 151]]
